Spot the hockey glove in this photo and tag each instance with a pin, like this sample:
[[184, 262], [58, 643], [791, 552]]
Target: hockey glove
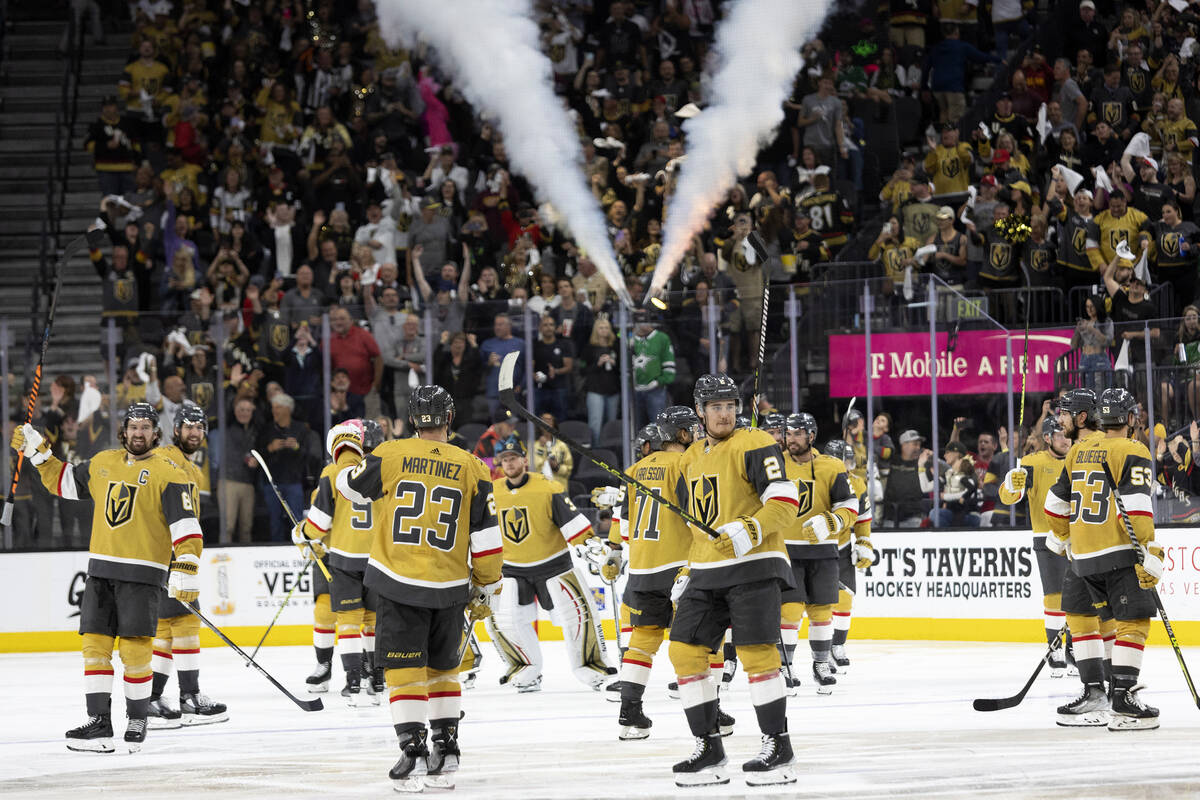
[[822, 527], [1151, 568], [184, 581], [610, 570], [1056, 545], [864, 554], [1014, 481], [738, 537], [27, 441], [607, 496], [483, 600], [310, 548], [680, 585]]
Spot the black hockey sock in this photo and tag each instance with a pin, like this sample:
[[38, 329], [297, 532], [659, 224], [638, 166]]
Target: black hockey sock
[[324, 655], [160, 683], [137, 709], [352, 664], [189, 681], [839, 637], [702, 719], [631, 690], [772, 716], [98, 703]]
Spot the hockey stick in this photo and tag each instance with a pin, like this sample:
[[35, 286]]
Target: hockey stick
[[1162, 612], [509, 398], [31, 404], [282, 606], [307, 705], [1009, 702], [760, 251], [279, 495]]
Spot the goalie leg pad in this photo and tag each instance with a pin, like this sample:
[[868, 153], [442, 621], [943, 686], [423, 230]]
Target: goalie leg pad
[[576, 615], [511, 630]]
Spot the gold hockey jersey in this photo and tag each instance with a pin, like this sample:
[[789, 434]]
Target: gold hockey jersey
[[537, 522], [658, 538], [197, 478], [862, 522], [437, 533], [741, 475], [1081, 509], [821, 486], [144, 508], [346, 527], [1042, 471]]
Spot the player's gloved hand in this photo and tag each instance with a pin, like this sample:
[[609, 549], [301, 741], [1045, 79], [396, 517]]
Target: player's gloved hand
[[864, 554], [738, 537], [1014, 480], [183, 582], [1151, 568], [1056, 545], [610, 570], [27, 441], [607, 496], [483, 600], [822, 527], [310, 548], [681, 581]]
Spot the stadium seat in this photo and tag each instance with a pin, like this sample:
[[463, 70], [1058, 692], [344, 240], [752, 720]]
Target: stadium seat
[[576, 431], [471, 431]]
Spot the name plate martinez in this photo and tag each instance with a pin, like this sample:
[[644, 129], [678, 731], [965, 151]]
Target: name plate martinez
[[979, 364]]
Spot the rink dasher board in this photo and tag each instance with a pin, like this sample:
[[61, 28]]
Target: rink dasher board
[[956, 585]]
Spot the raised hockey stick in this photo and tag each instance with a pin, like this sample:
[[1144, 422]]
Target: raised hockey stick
[[278, 494], [1162, 612], [31, 403], [1009, 702], [287, 597], [760, 250], [307, 705]]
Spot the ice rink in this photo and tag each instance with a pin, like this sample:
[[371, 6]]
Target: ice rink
[[899, 724]]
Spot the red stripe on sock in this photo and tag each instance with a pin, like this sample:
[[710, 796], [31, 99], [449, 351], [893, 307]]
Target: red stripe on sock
[[189, 651], [324, 630], [789, 627], [813, 624], [349, 636], [645, 664], [841, 613], [97, 672], [408, 697], [766, 676], [1090, 637], [139, 680], [1133, 645], [1055, 613], [1110, 637], [161, 654], [626, 630], [444, 694], [691, 679]]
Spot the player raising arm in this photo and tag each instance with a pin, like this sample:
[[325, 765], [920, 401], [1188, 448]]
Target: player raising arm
[[144, 533]]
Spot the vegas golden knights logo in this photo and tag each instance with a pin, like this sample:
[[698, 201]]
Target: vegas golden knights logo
[[1113, 112], [1170, 244], [280, 337], [118, 503], [805, 488], [1079, 239], [950, 166], [1116, 236], [202, 394], [1000, 255], [1037, 260], [1137, 80], [123, 290], [515, 524], [706, 503]]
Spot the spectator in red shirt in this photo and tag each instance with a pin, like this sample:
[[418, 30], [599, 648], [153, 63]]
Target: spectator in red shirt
[[354, 349]]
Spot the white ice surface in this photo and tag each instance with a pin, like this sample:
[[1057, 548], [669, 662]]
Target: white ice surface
[[900, 724]]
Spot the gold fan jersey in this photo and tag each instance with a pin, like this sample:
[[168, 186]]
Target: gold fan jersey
[[346, 527], [1042, 471], [143, 510], [862, 522], [658, 538], [1178, 135], [437, 527], [821, 486], [1126, 228], [537, 521], [740, 476], [1081, 509]]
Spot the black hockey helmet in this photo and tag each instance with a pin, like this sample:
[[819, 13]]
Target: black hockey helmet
[[430, 407], [674, 419], [509, 444], [774, 421], [139, 410], [718, 386], [1079, 401], [372, 434], [651, 434], [802, 421], [1114, 407], [1051, 426], [852, 416], [741, 421], [192, 414], [839, 449]]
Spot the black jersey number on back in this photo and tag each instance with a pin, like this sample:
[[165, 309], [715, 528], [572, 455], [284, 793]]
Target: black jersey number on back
[[1089, 497], [647, 509], [360, 516], [405, 531]]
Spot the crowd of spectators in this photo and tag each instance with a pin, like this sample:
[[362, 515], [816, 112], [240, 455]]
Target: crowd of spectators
[[270, 168]]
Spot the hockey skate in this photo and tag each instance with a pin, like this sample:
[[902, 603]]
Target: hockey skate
[[197, 709], [318, 681], [1129, 713], [1090, 709], [724, 722], [773, 764], [673, 690], [135, 734], [443, 758], [160, 716], [353, 691], [705, 766], [469, 681], [1057, 662], [824, 677], [94, 736], [633, 721], [525, 682], [409, 772], [612, 692], [379, 680], [838, 652]]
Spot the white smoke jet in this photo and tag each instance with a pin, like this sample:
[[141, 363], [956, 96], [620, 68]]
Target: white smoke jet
[[491, 47], [758, 49]]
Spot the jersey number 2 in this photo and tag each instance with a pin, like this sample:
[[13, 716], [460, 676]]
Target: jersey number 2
[[407, 518]]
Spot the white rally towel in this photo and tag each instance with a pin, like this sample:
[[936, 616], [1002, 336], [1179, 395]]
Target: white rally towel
[[1102, 181], [1122, 363], [1043, 123], [1139, 145], [1070, 177]]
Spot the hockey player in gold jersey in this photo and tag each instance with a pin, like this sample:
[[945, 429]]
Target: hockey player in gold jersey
[[177, 640], [537, 522], [1032, 478], [854, 551], [1112, 572], [827, 507], [144, 533], [437, 547], [732, 480], [344, 531]]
